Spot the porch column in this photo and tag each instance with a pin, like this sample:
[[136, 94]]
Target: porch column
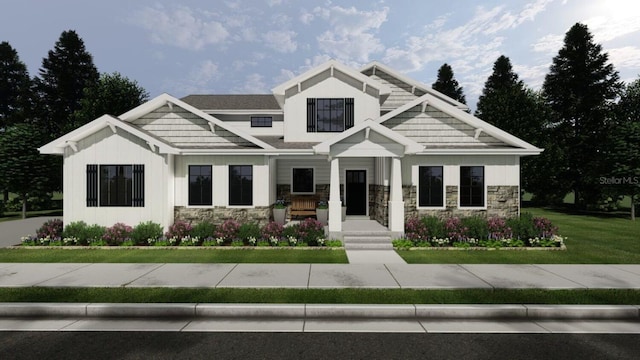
[[396, 203], [335, 206]]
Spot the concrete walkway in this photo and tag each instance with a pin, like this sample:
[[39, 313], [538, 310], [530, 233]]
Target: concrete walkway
[[318, 276]]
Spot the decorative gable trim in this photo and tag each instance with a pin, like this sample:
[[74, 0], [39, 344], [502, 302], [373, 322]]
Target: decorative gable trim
[[71, 139], [294, 86], [165, 99]]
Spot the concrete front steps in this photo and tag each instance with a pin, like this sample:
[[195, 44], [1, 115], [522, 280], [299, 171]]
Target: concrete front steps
[[370, 247]]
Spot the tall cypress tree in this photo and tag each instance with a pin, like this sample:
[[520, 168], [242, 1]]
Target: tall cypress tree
[[580, 88], [15, 87], [65, 73], [448, 85]]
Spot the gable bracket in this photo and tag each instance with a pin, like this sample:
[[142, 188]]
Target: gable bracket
[[374, 70], [477, 133], [73, 145], [212, 127], [331, 70], [299, 87], [366, 133], [413, 89], [112, 127], [151, 146], [170, 105], [424, 106], [364, 87]]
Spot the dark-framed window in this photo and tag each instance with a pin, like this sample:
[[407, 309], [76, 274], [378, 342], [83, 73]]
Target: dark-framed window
[[200, 190], [430, 186], [472, 186], [115, 185], [329, 114], [240, 185], [261, 121], [302, 181]]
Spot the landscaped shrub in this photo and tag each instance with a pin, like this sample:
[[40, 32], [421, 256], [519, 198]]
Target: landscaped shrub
[[94, 234], [117, 234], [456, 231], [476, 228], [178, 230], [77, 230], [522, 227], [272, 229], [416, 230], [435, 227], [498, 229], [310, 230], [203, 230], [249, 233], [228, 231], [51, 229], [544, 228], [145, 231]]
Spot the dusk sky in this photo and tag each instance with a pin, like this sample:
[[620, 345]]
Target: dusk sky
[[187, 47]]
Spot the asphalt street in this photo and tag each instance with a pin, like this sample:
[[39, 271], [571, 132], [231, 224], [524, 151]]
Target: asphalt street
[[146, 345]]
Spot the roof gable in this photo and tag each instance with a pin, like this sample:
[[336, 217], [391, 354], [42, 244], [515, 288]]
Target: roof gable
[[329, 69], [168, 100], [71, 139]]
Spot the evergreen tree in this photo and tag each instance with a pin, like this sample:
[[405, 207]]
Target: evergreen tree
[[64, 75], [448, 85], [623, 156], [509, 105], [26, 172], [113, 94], [15, 87], [580, 89]]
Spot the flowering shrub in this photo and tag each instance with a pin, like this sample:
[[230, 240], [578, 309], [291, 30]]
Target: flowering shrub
[[544, 227], [310, 230], [272, 229], [498, 229], [179, 229], [190, 241], [416, 230], [118, 233], [456, 231], [228, 231], [51, 228]]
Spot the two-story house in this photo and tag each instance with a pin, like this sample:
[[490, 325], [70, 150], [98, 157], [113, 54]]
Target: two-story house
[[386, 146]]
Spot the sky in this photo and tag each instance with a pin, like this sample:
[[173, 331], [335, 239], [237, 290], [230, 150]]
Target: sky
[[251, 46]]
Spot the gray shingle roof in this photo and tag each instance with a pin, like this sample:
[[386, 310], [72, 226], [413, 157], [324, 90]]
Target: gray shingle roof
[[233, 102], [278, 143]]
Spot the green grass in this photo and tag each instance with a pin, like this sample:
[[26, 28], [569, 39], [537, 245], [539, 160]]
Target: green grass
[[177, 255], [591, 240], [320, 296]]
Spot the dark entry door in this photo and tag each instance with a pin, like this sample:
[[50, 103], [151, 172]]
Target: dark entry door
[[356, 192]]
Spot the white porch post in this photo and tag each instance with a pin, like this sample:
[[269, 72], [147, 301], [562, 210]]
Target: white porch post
[[335, 206], [396, 203]]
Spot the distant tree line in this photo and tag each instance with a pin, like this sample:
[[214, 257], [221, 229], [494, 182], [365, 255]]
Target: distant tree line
[[586, 120], [67, 93]]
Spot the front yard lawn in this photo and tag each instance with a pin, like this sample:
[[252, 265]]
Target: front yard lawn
[[174, 255], [590, 240]]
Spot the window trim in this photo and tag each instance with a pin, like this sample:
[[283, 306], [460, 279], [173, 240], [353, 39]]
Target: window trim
[[252, 205], [262, 117], [484, 185], [444, 188], [313, 169], [188, 173]]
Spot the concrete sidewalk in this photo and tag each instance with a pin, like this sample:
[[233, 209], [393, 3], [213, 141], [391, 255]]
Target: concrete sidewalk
[[318, 276]]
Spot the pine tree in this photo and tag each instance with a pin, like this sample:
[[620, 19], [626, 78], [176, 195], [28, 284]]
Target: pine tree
[[509, 105], [113, 94], [448, 85], [623, 155], [15, 87], [580, 88], [64, 75]]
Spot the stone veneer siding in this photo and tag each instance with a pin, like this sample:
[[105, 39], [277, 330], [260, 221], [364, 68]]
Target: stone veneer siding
[[502, 201], [283, 191], [218, 214], [379, 203]]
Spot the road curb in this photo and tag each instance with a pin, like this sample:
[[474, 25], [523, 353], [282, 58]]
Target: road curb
[[321, 311]]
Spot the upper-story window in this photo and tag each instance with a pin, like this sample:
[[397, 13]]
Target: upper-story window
[[261, 121], [329, 115]]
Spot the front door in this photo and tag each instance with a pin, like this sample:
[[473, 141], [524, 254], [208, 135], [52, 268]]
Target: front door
[[356, 192]]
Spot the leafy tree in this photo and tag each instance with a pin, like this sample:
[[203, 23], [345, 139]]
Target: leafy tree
[[623, 156], [580, 88], [508, 104], [14, 86], [25, 170], [113, 94], [64, 75], [448, 85]]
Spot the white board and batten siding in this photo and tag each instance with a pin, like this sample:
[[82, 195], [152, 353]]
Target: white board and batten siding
[[183, 128], [106, 148], [499, 170], [295, 108], [322, 168], [220, 177]]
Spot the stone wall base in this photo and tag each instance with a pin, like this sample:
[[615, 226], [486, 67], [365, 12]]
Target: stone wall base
[[218, 214]]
